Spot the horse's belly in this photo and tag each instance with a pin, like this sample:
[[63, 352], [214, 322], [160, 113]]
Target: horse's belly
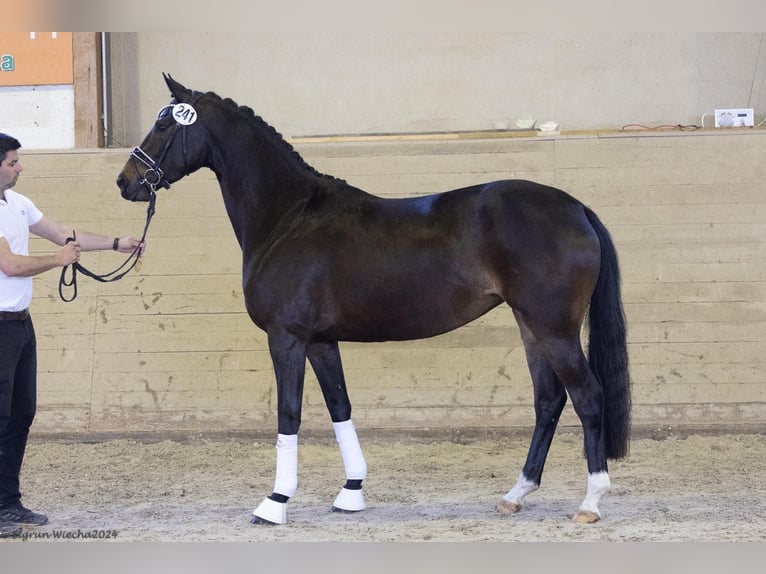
[[409, 317]]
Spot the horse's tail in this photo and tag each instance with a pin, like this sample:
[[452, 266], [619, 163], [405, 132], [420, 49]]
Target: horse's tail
[[607, 345]]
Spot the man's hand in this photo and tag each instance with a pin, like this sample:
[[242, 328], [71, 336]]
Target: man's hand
[[129, 245], [68, 254]]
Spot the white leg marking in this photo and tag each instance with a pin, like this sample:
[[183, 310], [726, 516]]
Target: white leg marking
[[598, 485], [514, 500]]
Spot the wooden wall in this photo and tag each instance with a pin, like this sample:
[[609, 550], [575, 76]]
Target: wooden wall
[[170, 349]]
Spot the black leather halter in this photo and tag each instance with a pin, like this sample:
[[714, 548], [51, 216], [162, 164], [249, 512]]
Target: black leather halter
[[153, 176]]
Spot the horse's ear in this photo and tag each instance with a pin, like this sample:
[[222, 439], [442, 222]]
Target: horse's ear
[[176, 89]]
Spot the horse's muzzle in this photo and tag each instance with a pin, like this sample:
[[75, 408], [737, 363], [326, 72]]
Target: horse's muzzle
[[132, 191]]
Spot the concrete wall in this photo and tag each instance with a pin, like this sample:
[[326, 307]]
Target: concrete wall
[[324, 82], [331, 83], [40, 117], [171, 349]]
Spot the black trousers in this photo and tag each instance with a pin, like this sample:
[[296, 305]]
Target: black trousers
[[18, 401]]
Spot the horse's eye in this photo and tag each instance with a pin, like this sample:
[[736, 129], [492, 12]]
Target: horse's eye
[[163, 124]]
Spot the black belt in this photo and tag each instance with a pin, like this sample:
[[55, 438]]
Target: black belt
[[14, 315]]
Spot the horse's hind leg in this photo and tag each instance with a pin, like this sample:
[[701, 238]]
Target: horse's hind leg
[[550, 398], [571, 366], [558, 349], [325, 360], [568, 361], [588, 401]]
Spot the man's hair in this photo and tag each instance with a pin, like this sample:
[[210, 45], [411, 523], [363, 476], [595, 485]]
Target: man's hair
[[7, 143]]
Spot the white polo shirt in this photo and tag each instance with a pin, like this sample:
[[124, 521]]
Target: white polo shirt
[[17, 213]]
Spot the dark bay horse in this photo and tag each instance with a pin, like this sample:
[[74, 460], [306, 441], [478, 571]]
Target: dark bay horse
[[323, 262]]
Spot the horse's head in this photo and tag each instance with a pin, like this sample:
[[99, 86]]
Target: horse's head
[[173, 148]]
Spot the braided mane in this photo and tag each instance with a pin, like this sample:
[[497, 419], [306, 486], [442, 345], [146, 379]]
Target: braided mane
[[257, 121]]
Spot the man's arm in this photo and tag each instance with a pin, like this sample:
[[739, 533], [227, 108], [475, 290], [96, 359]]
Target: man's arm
[[88, 241], [14, 265]]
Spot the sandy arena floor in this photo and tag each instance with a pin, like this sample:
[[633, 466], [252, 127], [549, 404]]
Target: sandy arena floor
[[699, 488]]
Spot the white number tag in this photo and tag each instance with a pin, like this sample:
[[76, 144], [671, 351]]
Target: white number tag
[[184, 114]]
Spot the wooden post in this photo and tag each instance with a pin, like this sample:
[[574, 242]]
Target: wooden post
[[88, 90]]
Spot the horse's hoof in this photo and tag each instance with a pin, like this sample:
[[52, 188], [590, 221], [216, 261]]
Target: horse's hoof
[[258, 520], [586, 517], [344, 510], [270, 512], [349, 501], [506, 507]]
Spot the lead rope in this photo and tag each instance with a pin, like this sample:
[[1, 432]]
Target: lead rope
[[118, 273]]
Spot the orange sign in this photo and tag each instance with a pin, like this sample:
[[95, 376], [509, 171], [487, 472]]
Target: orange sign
[[35, 58]]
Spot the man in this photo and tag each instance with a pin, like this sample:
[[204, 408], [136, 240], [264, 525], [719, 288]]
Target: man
[[18, 350]]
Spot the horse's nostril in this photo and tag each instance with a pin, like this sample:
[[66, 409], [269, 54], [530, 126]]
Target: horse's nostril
[[123, 185]]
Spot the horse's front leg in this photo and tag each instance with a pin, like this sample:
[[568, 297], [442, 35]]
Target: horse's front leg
[[289, 357], [325, 360]]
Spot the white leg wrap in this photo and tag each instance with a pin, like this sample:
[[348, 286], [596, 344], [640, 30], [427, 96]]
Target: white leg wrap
[[350, 450], [286, 481], [354, 465], [523, 487], [598, 485]]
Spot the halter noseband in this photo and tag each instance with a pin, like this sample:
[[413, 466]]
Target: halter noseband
[[153, 176]]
